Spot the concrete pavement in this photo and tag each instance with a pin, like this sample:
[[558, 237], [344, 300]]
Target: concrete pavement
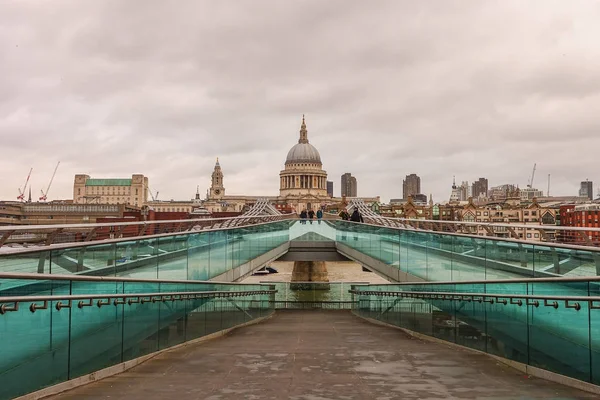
[[321, 355]]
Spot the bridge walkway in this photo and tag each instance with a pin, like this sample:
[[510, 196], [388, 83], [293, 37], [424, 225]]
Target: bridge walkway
[[304, 355]]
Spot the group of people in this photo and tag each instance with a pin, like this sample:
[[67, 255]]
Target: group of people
[[311, 215], [355, 217]]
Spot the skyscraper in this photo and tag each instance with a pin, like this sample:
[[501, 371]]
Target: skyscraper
[[349, 185], [587, 189], [411, 185], [479, 187], [330, 188]]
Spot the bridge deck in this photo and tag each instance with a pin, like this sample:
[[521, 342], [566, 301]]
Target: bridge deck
[[323, 355]]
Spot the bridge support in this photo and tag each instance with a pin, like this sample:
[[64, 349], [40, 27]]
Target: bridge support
[[309, 271]]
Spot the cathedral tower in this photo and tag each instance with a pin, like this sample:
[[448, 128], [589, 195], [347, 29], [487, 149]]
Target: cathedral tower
[[217, 191]]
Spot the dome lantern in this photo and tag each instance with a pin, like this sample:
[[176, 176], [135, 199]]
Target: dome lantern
[[303, 152]]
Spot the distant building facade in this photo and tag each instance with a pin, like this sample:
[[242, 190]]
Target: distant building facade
[[587, 189], [479, 188], [330, 188], [130, 191], [581, 216], [349, 185], [411, 186], [501, 192]]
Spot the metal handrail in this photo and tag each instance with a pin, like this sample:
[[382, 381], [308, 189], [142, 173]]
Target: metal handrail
[[499, 298], [492, 238], [85, 278], [558, 279], [11, 303], [58, 246], [16, 228]]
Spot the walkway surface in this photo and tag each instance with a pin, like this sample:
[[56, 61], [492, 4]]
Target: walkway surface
[[321, 355]]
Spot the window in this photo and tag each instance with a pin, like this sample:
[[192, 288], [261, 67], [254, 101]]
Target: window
[[525, 212], [529, 235], [485, 213]]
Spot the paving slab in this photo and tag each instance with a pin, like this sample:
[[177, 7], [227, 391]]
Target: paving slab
[[321, 355]]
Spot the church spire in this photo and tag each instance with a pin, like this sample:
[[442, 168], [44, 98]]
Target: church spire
[[303, 132]]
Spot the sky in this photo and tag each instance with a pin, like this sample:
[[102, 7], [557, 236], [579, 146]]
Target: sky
[[438, 88]]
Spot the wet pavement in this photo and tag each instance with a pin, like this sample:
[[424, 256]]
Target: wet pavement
[[321, 355]]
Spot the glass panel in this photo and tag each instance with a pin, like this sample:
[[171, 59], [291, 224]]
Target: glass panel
[[173, 257], [101, 259], [31, 263], [34, 346], [95, 331], [198, 265], [559, 337]]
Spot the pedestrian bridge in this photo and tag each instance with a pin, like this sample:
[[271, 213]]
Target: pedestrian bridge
[[114, 295]]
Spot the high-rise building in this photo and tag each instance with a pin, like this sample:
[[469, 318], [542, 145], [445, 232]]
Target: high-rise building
[[349, 185], [465, 191], [330, 188], [587, 189], [411, 185], [479, 187], [133, 191]]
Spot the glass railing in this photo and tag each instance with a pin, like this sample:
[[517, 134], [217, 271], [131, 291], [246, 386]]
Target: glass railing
[[195, 255], [57, 328], [553, 324], [455, 257], [313, 295]]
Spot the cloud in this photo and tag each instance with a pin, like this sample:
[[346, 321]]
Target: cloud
[[439, 89]]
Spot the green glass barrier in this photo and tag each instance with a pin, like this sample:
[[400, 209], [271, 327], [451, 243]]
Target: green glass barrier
[[54, 344], [558, 335], [452, 257], [194, 255]]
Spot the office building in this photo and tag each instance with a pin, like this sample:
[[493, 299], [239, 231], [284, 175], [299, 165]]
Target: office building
[[348, 185], [587, 189], [479, 188], [330, 188], [411, 186]]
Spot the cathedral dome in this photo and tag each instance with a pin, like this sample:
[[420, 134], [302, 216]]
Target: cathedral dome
[[303, 152]]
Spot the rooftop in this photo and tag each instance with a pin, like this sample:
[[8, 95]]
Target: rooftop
[[108, 182]]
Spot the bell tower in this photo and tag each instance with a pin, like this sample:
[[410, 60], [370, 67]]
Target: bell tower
[[217, 191]]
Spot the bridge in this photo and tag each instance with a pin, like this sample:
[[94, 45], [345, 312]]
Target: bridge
[[82, 302]]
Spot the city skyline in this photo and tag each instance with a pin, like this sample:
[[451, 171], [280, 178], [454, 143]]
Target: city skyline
[[80, 86]]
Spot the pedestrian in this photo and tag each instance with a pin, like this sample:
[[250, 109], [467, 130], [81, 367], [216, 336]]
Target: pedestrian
[[311, 215], [356, 216], [319, 215], [303, 217], [344, 215]]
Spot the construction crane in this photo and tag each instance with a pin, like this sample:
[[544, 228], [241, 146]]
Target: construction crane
[[530, 185], [45, 195], [154, 198], [21, 195]]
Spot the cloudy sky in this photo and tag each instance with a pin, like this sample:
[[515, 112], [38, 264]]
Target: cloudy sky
[[437, 88]]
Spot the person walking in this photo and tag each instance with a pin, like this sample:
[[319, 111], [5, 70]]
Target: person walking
[[356, 216], [344, 214], [303, 217], [319, 215], [311, 215]]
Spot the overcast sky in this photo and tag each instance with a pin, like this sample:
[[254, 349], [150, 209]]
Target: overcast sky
[[438, 88]]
